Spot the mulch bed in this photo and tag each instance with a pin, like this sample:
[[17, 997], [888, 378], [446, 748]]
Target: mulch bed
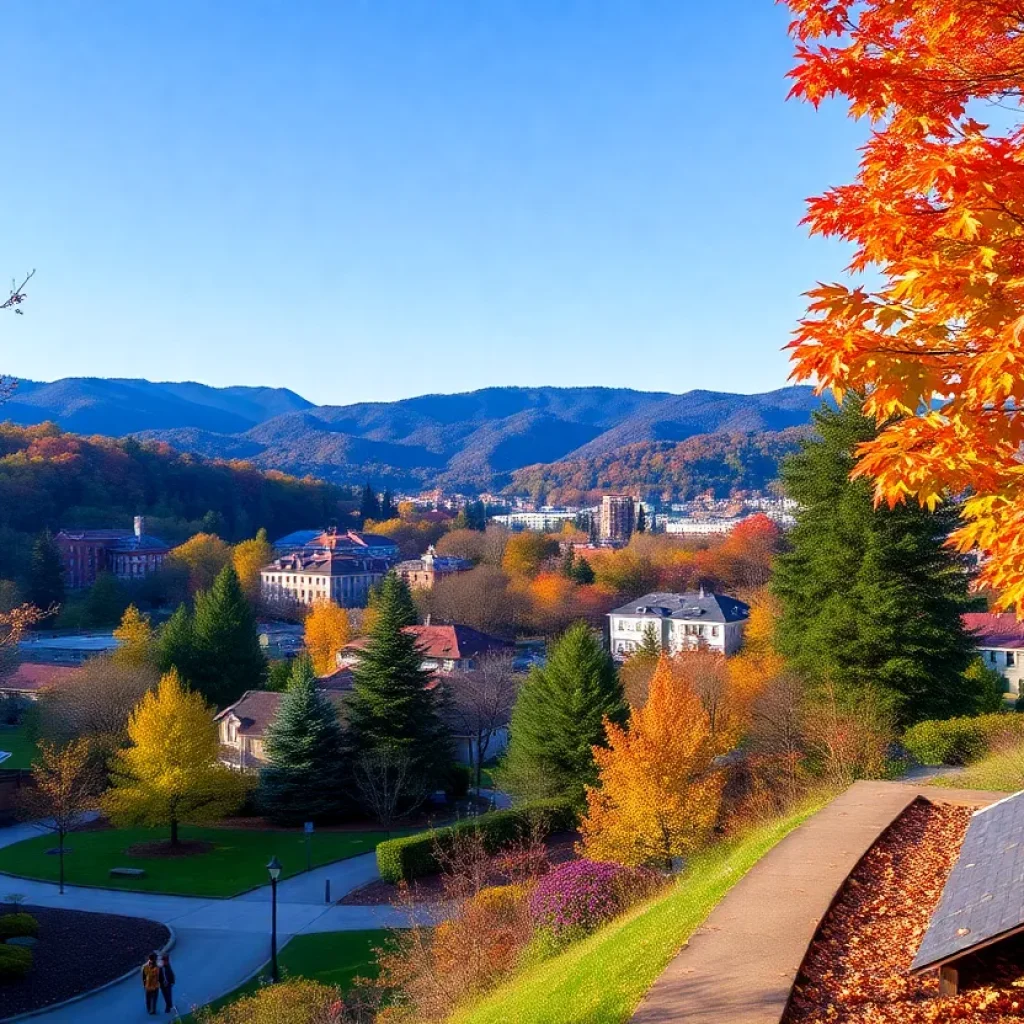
[[856, 970], [430, 888], [163, 848], [77, 952]]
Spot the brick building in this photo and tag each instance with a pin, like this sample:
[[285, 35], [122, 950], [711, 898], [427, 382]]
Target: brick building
[[128, 554]]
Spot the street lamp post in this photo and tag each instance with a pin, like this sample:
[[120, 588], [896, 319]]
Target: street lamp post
[[274, 870]]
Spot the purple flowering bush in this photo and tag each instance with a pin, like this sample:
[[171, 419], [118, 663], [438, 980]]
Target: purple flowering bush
[[580, 895]]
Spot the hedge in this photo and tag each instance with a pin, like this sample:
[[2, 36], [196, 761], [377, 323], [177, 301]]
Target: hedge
[[15, 962], [962, 740], [402, 860], [18, 926]]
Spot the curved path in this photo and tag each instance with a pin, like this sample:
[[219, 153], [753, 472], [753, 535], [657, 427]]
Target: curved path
[[740, 965], [220, 942]]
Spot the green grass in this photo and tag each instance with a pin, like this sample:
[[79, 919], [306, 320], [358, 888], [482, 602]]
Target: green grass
[[334, 958], [21, 748], [602, 979], [1002, 771], [236, 863]]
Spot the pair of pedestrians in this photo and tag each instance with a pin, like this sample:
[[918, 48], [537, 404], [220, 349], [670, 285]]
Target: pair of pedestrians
[[158, 979]]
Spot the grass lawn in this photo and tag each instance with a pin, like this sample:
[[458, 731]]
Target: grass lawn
[[334, 958], [21, 749], [602, 979], [237, 862], [1002, 771]]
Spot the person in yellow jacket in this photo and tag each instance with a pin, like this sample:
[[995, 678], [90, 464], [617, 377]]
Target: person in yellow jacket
[[151, 982]]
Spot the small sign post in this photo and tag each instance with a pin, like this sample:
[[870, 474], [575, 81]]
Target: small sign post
[[309, 846]]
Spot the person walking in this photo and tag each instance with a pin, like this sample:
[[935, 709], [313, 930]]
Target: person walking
[[167, 982], [151, 983]]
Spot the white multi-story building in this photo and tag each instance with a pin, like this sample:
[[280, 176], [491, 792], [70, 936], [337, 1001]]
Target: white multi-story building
[[1000, 641], [546, 520], [701, 527], [306, 577], [680, 622]]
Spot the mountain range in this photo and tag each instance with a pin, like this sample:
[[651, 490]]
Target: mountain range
[[469, 441]]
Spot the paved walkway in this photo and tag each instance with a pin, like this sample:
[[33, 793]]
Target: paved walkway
[[739, 967], [219, 943]]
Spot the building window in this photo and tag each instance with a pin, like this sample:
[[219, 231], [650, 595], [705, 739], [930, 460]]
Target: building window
[[1009, 659]]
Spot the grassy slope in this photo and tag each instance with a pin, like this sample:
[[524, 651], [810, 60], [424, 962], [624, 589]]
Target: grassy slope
[[237, 862], [21, 749], [602, 979], [1001, 771], [334, 958]]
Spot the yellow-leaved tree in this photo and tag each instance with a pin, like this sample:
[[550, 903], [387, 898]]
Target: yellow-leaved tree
[[169, 774], [327, 630], [658, 792], [200, 558], [137, 638], [248, 557]]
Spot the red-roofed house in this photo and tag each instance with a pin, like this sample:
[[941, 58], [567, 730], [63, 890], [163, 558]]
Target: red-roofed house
[[30, 679], [1000, 641], [445, 648]]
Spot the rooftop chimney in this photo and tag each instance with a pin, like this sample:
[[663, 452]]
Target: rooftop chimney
[[140, 525]]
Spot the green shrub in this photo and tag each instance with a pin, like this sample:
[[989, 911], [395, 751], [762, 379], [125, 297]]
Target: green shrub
[[456, 781], [18, 926], [401, 860], [15, 962], [962, 740]]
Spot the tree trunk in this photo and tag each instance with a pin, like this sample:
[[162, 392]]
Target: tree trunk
[[174, 831]]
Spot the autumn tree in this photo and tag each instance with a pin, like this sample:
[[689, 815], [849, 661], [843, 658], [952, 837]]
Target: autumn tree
[[559, 717], [658, 794], [169, 774], [526, 553], [13, 626], [64, 791], [326, 631], [249, 557], [935, 217], [201, 558], [137, 639]]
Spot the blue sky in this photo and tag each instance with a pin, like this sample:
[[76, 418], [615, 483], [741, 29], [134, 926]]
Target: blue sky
[[371, 199]]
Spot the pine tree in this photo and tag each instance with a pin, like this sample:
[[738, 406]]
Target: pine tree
[[568, 563], [387, 506], [176, 645], [583, 572], [641, 518], [105, 602], [391, 706], [369, 506], [559, 717], [871, 596], [228, 656], [304, 779], [46, 574]]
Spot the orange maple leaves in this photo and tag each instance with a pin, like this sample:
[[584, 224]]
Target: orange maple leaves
[[937, 211]]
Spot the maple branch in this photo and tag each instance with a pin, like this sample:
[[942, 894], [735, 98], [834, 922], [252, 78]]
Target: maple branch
[[17, 296]]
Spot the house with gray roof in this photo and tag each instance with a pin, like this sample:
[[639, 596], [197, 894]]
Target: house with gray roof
[[680, 622]]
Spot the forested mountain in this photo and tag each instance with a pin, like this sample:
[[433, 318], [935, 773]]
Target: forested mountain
[[664, 470], [115, 407], [477, 440], [480, 439], [50, 479]]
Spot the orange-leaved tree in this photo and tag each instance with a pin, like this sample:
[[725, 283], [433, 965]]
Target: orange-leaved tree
[[936, 217], [327, 630], [658, 792]]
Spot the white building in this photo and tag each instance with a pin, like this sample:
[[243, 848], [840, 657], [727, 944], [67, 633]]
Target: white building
[[546, 520], [1000, 641], [306, 577], [680, 622], [702, 527]]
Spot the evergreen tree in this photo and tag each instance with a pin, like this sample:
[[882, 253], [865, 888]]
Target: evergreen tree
[[387, 506], [228, 656], [871, 597], [641, 518], [369, 506], [559, 717], [476, 515], [176, 646], [304, 777], [106, 601], [649, 648], [568, 564], [583, 572], [391, 706], [46, 574]]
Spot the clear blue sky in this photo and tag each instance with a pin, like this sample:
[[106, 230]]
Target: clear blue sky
[[371, 199]]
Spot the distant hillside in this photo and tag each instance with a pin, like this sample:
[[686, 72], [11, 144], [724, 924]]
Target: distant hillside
[[665, 470], [480, 440], [115, 407]]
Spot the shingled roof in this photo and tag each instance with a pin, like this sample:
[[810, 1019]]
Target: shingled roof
[[700, 605], [995, 629]]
